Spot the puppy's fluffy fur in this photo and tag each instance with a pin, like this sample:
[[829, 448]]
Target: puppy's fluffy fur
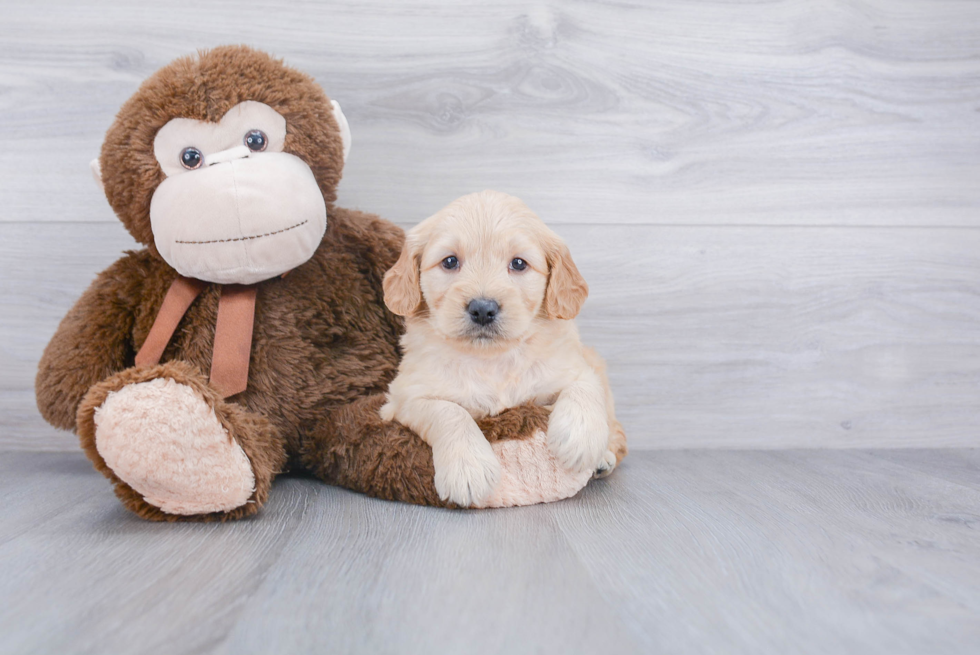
[[458, 365]]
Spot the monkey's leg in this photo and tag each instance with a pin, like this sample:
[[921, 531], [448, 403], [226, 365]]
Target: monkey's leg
[[174, 449], [352, 447]]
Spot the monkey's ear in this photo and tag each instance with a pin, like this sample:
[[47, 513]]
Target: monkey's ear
[[338, 115], [403, 290], [97, 172]]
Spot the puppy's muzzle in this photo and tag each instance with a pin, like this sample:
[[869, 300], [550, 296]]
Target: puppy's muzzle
[[483, 311]]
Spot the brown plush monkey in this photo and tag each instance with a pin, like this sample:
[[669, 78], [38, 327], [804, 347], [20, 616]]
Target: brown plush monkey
[[250, 335]]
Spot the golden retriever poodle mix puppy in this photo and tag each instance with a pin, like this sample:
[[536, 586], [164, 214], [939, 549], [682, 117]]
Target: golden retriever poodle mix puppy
[[488, 293]]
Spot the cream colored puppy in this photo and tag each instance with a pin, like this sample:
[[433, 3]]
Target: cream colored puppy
[[489, 292]]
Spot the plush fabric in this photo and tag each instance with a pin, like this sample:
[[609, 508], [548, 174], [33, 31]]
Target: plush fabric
[[257, 437], [530, 474], [343, 125], [204, 87], [232, 243], [324, 346], [213, 138], [164, 441]]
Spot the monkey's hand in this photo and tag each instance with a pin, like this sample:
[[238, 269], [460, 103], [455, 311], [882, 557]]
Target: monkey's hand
[[92, 342]]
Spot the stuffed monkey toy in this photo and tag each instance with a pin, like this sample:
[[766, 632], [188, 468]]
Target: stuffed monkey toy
[[249, 335]]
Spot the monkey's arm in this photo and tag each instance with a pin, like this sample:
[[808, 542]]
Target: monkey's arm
[[466, 468], [93, 341], [353, 447]]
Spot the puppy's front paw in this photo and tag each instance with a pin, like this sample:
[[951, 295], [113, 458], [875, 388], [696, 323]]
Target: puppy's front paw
[[578, 437], [387, 411], [466, 471], [606, 466]]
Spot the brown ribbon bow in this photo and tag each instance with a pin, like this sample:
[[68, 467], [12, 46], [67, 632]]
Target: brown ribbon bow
[[232, 331]]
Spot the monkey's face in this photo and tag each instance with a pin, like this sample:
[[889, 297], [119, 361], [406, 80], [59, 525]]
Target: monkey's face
[[225, 163], [234, 208]]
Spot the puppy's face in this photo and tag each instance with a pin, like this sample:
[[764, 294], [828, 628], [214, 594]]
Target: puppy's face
[[485, 267], [483, 277]]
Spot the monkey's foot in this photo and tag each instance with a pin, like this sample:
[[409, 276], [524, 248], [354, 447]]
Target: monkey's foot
[[163, 440], [175, 449], [531, 474]]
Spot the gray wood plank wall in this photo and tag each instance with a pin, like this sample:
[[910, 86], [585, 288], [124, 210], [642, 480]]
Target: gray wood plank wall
[[777, 204]]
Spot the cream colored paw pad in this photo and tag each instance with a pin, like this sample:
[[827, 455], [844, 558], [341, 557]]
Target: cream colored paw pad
[[163, 440], [531, 474]]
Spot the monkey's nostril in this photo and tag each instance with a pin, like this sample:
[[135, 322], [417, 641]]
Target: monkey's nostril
[[483, 311]]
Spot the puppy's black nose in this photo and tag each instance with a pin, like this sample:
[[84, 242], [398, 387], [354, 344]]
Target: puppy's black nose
[[483, 310]]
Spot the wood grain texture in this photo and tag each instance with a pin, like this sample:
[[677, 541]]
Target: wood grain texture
[[687, 551], [830, 112], [776, 206], [784, 552], [740, 337], [775, 202]]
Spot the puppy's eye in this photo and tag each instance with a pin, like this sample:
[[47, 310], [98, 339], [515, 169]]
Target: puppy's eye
[[518, 264], [450, 263]]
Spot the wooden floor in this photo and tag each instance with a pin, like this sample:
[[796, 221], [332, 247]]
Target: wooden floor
[[800, 551]]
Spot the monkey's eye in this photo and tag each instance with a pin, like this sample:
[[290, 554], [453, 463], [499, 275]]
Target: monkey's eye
[[450, 263], [191, 158], [518, 264], [256, 140]]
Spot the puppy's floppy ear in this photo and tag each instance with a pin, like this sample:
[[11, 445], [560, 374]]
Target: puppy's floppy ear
[[403, 293], [567, 289]]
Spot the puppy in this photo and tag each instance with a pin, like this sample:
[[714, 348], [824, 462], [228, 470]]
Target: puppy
[[488, 293]]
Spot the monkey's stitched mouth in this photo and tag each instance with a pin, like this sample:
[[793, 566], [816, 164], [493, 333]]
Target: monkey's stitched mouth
[[249, 238]]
